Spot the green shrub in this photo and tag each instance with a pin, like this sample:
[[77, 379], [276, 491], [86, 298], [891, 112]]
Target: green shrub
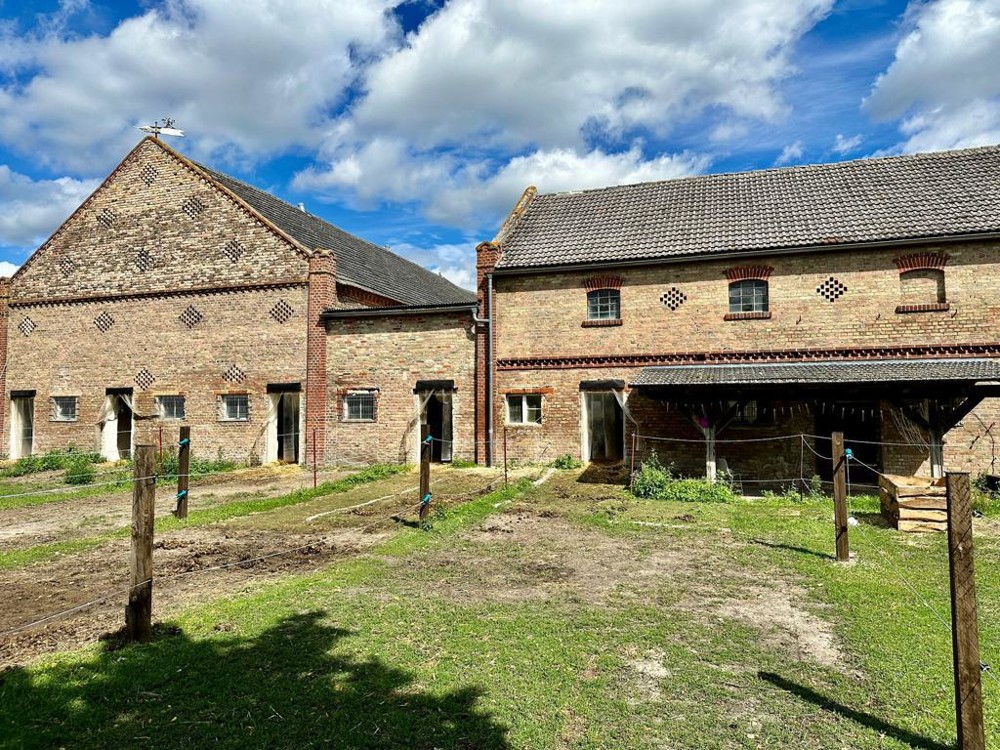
[[54, 460], [197, 465], [463, 463], [566, 461], [80, 471], [654, 481]]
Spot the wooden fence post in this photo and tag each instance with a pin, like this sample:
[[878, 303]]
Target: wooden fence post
[[964, 620], [426, 449], [139, 611], [840, 497], [183, 471], [505, 456], [314, 457]]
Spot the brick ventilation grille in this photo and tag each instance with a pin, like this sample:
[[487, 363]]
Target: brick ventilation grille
[[234, 374], [144, 379], [234, 250], [144, 260], [832, 289], [67, 266], [282, 311], [192, 206], [673, 298], [191, 316], [26, 326], [106, 218], [104, 321], [148, 174]]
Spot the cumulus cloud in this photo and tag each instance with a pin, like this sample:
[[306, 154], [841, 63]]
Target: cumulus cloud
[[7, 268], [942, 83], [844, 146], [243, 78], [32, 209], [791, 152], [455, 261]]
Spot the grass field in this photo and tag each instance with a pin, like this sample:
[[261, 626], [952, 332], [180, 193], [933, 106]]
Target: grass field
[[567, 615]]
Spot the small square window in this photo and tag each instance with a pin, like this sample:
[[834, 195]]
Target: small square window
[[64, 408], [524, 408], [235, 407], [359, 406], [604, 304], [748, 296], [170, 407]]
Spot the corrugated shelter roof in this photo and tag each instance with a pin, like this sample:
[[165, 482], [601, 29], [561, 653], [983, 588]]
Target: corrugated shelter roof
[[870, 200], [820, 373], [359, 262]]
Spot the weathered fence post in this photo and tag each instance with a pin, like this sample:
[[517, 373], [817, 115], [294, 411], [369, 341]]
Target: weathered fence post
[[426, 449], [505, 456], [139, 611], [840, 497], [314, 457], [183, 471], [964, 620]]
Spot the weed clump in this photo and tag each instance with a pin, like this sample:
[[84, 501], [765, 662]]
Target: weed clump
[[654, 481], [566, 461]]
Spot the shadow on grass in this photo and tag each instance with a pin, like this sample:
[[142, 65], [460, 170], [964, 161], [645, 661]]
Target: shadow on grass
[[873, 519], [597, 472], [286, 688], [793, 548], [872, 722]]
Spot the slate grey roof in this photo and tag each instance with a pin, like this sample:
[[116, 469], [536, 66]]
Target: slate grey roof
[[870, 200], [359, 262], [818, 373]]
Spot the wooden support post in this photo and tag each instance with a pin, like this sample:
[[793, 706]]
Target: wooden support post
[[183, 471], [710, 465], [936, 439], [964, 620], [505, 456], [426, 449], [631, 469], [314, 457], [840, 497], [139, 611]]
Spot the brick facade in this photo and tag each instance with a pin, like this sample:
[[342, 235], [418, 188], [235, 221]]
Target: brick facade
[[822, 305]]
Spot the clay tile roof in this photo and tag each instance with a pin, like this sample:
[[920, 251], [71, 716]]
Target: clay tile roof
[[870, 200], [359, 262], [867, 371]]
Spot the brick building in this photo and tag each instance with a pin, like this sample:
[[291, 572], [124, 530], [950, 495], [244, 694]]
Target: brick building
[[691, 315], [228, 307]]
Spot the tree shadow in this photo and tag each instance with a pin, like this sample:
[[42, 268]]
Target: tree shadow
[[285, 688], [793, 548], [872, 722]]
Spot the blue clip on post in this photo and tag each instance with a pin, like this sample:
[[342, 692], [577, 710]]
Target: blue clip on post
[[429, 439], [184, 442], [849, 453], [426, 500], [181, 494]]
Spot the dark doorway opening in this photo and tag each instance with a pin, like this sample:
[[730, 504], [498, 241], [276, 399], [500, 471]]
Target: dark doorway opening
[[287, 424], [605, 426], [438, 418], [860, 421]]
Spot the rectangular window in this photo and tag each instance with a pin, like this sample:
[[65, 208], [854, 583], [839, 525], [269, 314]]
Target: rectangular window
[[359, 406], [604, 304], [170, 407], [748, 296], [64, 408], [235, 407], [524, 408]]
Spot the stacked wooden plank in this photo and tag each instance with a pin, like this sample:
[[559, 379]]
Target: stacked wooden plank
[[914, 503]]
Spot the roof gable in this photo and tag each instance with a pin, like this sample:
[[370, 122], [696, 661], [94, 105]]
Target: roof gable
[[936, 195]]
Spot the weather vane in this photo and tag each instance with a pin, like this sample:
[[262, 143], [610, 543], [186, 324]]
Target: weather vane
[[162, 127]]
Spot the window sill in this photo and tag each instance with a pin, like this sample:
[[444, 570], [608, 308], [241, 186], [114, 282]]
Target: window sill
[[54, 419], [928, 307], [532, 425], [359, 421], [605, 323], [225, 420], [748, 316]]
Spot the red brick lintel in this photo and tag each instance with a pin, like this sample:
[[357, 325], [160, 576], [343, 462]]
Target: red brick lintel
[[603, 282], [922, 262], [729, 358], [193, 291], [743, 273]]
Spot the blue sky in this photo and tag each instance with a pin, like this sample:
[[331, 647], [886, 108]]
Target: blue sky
[[417, 125]]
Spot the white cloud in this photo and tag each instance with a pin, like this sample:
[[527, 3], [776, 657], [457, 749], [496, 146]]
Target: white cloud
[[246, 77], [791, 152], [7, 269], [32, 209], [455, 261], [844, 146], [942, 83]]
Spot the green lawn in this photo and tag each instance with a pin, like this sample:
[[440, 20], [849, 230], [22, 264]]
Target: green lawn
[[564, 616]]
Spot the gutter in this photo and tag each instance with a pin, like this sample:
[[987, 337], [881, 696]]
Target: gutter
[[374, 312], [723, 255]]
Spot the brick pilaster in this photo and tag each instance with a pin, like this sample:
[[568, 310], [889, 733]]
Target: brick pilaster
[[487, 255], [322, 295]]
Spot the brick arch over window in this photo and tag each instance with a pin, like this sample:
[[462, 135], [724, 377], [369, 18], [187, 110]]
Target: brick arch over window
[[922, 282], [922, 262], [603, 282], [745, 273]]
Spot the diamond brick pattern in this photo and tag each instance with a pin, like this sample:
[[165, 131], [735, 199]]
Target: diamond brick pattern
[[831, 289], [67, 266], [673, 298], [144, 260], [192, 206], [234, 250], [234, 374], [148, 174], [868, 200], [104, 321], [27, 326], [191, 316], [144, 379], [282, 311], [106, 218]]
